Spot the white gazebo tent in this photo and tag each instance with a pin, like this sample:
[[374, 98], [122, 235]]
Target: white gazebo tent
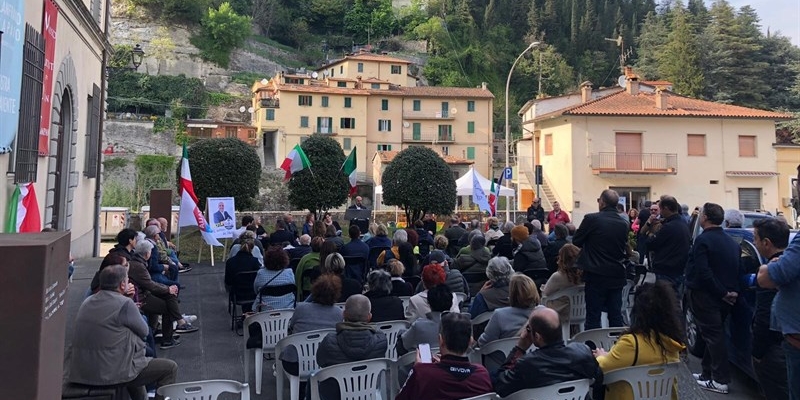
[[464, 185]]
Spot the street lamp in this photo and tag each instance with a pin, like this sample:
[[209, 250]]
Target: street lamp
[[508, 83], [137, 55]]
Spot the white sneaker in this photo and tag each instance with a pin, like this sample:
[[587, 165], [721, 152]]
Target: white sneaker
[[697, 376], [190, 318], [713, 386]]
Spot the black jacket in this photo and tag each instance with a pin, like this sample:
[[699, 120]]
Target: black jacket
[[299, 251], [353, 341], [453, 235], [763, 336], [670, 247], [529, 256], [536, 213], [241, 262], [546, 366], [504, 247], [280, 236], [603, 239], [385, 307], [713, 265], [551, 254]]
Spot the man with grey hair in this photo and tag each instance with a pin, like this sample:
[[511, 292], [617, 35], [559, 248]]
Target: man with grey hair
[[108, 346], [539, 234], [453, 235], [303, 248], [288, 219], [355, 339], [161, 268], [734, 219], [385, 306]]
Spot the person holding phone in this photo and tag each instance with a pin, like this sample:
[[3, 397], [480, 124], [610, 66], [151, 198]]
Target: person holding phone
[[448, 375]]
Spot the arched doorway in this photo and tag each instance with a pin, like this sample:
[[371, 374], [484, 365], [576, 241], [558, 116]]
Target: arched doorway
[[62, 171]]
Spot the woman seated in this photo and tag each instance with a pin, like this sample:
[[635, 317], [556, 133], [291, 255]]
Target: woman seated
[[399, 286], [379, 238], [402, 250], [426, 328], [255, 252], [504, 246], [334, 264], [373, 227], [494, 293], [506, 322], [565, 277], [274, 273], [475, 260], [493, 231], [385, 306], [308, 226], [655, 337], [418, 305]]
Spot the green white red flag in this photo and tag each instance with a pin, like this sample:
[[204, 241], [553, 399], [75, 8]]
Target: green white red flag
[[190, 214], [23, 211], [349, 168], [294, 162]]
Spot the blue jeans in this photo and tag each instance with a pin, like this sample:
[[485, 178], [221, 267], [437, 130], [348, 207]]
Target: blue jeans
[[599, 299], [792, 369]]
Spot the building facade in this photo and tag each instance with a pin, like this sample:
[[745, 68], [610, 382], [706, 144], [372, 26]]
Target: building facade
[[51, 110], [370, 102], [788, 159], [646, 143], [206, 129]]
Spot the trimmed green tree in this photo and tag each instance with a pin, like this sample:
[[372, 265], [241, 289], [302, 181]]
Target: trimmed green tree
[[419, 181], [225, 167], [324, 185]]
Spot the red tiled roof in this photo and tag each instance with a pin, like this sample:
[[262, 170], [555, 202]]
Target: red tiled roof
[[322, 89], [751, 173], [643, 105], [388, 156], [442, 91]]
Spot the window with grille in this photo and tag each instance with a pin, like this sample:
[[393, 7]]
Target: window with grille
[[384, 125], [304, 100], [696, 145], [93, 134], [230, 132], [27, 143], [747, 146], [749, 199]]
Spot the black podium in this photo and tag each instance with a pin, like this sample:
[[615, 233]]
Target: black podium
[[359, 218]]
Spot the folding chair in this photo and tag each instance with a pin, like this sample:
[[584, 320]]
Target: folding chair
[[572, 390], [357, 380], [274, 327], [652, 382], [241, 294], [209, 389], [603, 338], [577, 308], [306, 344], [392, 330]]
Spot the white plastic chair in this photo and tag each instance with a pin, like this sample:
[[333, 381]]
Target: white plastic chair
[[406, 300], [306, 344], [603, 338], [392, 331], [340, 305], [626, 308], [482, 318], [274, 327], [462, 297], [577, 307], [357, 380], [572, 390], [487, 396], [204, 390], [652, 382], [399, 374]]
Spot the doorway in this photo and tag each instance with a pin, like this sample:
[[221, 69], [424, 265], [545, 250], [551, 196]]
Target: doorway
[[63, 157], [632, 196]]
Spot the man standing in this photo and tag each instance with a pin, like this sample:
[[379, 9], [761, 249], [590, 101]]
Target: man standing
[[669, 247], [552, 362], [453, 235], [769, 361], [784, 274], [108, 346], [558, 216], [429, 222], [451, 376], [290, 226], [535, 211], [358, 205], [712, 282], [603, 239]]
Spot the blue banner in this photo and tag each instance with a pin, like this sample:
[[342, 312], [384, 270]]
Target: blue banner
[[12, 24]]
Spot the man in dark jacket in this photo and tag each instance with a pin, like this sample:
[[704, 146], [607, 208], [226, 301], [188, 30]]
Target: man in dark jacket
[[355, 339], [301, 249], [553, 362], [551, 251], [769, 359], [528, 253], [536, 211], [603, 239], [641, 238], [281, 235], [126, 240], [452, 376], [712, 279], [355, 248], [453, 235], [669, 247]]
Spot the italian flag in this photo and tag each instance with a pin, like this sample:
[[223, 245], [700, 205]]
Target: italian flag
[[349, 168], [23, 211], [294, 162], [186, 176], [494, 195], [190, 214]]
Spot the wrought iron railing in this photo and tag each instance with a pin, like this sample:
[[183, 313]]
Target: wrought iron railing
[[646, 163]]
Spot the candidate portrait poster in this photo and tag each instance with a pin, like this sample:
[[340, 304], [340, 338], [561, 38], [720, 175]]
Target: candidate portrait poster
[[221, 216]]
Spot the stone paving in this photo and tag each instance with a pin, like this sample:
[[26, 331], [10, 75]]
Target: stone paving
[[216, 352]]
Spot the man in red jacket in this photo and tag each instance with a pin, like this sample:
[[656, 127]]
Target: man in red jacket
[[450, 376], [557, 216]]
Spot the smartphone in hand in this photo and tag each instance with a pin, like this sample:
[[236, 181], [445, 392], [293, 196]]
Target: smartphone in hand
[[425, 353]]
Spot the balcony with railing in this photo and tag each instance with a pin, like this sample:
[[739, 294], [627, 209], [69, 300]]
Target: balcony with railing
[[432, 136], [635, 163], [428, 115], [269, 102], [325, 130]]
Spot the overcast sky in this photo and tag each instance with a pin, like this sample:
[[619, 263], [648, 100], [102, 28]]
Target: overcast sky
[[777, 15]]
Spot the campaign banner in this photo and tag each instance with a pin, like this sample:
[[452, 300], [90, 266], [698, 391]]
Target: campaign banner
[[49, 23], [221, 216], [12, 24]]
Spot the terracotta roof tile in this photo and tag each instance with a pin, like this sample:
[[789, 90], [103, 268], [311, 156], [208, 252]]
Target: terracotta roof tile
[[322, 89], [442, 91], [388, 156], [751, 173], [643, 105]]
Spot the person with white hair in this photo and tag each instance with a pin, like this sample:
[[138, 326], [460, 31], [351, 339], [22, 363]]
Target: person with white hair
[[733, 222], [303, 248], [401, 250], [539, 234], [505, 244], [494, 293]]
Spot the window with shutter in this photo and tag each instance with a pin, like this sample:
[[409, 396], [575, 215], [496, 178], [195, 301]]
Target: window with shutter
[[747, 146], [696, 145]]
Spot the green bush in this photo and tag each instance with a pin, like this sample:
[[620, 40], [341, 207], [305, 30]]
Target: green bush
[[111, 163], [247, 78], [115, 194], [153, 172], [419, 181], [223, 31], [220, 98], [225, 168], [142, 93], [324, 186], [190, 11]]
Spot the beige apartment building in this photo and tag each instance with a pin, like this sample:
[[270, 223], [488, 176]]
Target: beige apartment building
[[788, 158], [370, 102], [64, 165], [645, 143]]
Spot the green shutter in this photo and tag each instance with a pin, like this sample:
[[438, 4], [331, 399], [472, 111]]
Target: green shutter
[[324, 101], [470, 106], [471, 127], [417, 105], [470, 153], [304, 122], [348, 102], [384, 104], [417, 129], [270, 114]]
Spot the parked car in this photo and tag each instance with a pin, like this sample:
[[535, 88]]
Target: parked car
[[738, 324]]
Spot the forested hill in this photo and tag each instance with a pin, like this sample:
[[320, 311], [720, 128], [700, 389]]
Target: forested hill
[[718, 52]]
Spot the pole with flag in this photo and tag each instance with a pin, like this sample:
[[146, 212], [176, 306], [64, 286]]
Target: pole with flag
[[23, 211], [478, 195], [296, 161], [190, 214], [349, 168], [494, 195]]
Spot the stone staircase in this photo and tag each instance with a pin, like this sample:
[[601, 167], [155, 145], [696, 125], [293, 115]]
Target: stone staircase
[[548, 197]]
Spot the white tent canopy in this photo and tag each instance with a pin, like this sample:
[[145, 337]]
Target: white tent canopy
[[464, 185]]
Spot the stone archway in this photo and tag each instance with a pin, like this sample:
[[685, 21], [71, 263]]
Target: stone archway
[[62, 176]]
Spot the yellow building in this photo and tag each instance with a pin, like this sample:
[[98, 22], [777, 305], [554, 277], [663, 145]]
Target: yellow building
[[370, 102], [646, 143], [63, 165], [788, 158]]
